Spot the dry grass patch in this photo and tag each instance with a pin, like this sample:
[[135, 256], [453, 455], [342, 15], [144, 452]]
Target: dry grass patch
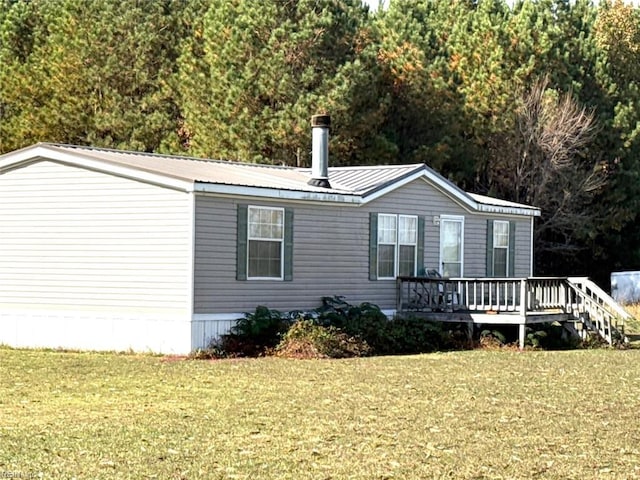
[[462, 415], [633, 326]]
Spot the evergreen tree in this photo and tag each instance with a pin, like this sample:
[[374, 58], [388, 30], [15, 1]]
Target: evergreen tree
[[425, 119], [617, 36], [255, 72], [87, 72]]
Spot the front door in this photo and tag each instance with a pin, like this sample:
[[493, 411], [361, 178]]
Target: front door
[[451, 245]]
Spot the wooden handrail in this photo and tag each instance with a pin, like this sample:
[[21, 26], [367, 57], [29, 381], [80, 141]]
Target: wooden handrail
[[576, 296], [480, 294]]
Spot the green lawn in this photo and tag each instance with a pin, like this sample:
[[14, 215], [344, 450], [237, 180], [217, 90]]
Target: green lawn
[[472, 415]]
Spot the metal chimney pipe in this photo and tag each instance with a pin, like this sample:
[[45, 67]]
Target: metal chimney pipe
[[320, 151]]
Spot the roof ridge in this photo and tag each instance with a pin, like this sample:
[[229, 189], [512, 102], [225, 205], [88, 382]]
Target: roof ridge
[[365, 167]]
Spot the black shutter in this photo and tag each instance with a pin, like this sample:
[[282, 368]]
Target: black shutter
[[241, 243], [489, 248], [288, 244], [373, 246], [420, 269], [512, 248]]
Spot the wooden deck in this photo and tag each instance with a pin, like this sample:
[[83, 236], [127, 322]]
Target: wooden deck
[[510, 301]]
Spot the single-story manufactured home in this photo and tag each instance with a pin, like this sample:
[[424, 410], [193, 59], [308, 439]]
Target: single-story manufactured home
[[116, 250]]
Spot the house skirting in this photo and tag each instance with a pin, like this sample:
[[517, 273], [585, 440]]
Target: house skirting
[[95, 330], [208, 327]]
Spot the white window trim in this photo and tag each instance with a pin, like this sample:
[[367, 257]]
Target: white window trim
[[414, 245], [396, 245], [495, 222], [249, 239], [452, 218]]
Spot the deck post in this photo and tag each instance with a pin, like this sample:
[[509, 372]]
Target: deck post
[[523, 298], [523, 312], [521, 335]]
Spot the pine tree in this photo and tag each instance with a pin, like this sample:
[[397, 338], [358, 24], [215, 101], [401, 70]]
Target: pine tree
[[89, 72], [255, 72]]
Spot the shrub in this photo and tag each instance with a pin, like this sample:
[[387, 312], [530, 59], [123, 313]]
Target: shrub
[[593, 340], [492, 339], [255, 333], [551, 336], [409, 335], [306, 339], [337, 329], [367, 322]]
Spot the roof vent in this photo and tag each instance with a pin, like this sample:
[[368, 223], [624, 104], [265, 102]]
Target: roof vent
[[320, 151]]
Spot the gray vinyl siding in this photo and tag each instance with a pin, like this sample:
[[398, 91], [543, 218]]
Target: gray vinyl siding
[[83, 241], [331, 254], [318, 269], [523, 248]]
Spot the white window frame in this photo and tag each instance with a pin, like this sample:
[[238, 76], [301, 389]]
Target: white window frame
[[414, 245], [506, 248], [396, 244], [451, 218], [250, 239]]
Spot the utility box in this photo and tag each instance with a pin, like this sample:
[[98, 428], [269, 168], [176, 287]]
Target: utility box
[[625, 287]]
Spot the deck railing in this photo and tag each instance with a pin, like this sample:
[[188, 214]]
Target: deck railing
[[580, 298], [481, 294]]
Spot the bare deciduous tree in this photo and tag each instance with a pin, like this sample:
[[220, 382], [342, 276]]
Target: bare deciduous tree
[[544, 160]]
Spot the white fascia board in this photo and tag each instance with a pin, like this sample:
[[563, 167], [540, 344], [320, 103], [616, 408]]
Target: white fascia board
[[277, 194], [22, 158], [487, 208], [427, 175], [191, 260]]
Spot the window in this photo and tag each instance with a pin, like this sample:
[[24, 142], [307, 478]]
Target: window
[[264, 243], [407, 242], [266, 239], [397, 245], [387, 238], [451, 245], [500, 248]]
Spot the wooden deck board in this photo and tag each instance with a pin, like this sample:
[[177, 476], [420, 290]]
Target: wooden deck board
[[501, 318]]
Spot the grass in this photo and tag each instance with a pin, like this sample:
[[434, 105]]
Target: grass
[[462, 415], [633, 325]]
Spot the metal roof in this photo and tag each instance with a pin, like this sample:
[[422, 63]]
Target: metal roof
[[365, 180], [199, 170], [496, 201], [347, 183], [344, 180]]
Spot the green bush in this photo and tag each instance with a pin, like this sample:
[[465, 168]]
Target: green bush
[[550, 336], [306, 339], [410, 335], [365, 321], [495, 339], [255, 333], [336, 329], [397, 336]]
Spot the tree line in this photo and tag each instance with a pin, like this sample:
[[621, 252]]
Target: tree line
[[536, 102]]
